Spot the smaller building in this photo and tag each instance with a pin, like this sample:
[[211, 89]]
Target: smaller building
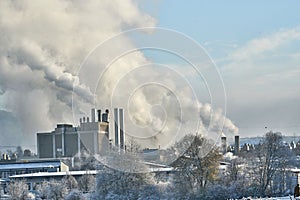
[[24, 167], [11, 168]]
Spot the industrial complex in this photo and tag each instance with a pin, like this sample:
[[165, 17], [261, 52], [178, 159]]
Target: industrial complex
[[92, 135], [97, 134]]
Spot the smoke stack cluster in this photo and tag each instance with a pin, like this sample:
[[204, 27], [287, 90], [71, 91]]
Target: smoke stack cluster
[[235, 148], [96, 115]]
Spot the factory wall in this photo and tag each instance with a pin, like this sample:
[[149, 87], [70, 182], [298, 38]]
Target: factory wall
[[66, 140], [45, 145]]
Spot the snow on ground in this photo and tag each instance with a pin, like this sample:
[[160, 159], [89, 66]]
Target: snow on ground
[[272, 198]]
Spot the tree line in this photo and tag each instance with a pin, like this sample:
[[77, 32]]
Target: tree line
[[197, 173]]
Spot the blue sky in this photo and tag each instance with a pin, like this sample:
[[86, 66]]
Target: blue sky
[[237, 21], [256, 46]]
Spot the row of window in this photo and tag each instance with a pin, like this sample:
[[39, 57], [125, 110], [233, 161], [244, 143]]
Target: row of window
[[7, 173]]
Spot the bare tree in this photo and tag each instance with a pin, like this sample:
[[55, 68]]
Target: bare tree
[[132, 145], [198, 165], [269, 153]]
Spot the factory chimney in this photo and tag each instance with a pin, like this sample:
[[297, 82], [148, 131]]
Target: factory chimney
[[105, 116], [116, 119], [236, 145], [93, 114], [223, 143], [119, 128], [99, 115]]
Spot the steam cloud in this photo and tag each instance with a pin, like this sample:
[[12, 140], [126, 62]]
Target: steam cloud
[[42, 46], [40, 55]]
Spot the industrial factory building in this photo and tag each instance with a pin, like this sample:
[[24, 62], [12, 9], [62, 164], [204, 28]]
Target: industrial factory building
[[91, 135]]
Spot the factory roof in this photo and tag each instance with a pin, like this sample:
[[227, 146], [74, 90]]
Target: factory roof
[[30, 165], [52, 174]]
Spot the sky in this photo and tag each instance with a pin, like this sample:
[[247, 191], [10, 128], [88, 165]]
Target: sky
[[255, 45], [52, 65]]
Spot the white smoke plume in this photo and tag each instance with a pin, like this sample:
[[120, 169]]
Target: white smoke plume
[[42, 47]]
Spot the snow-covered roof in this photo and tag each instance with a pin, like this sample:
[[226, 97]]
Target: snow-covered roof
[[51, 174], [295, 170], [155, 164], [162, 169], [30, 165]]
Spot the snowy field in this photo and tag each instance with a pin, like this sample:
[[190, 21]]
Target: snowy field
[[273, 198]]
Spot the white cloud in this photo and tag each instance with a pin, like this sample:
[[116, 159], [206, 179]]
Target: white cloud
[[42, 46], [259, 46], [262, 78]]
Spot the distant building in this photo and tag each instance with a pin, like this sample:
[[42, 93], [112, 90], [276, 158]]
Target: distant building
[[11, 168], [92, 135], [62, 142], [24, 167], [151, 154]]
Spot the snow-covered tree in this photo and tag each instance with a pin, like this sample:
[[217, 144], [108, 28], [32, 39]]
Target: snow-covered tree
[[75, 195], [18, 190], [52, 190], [69, 182], [117, 182], [127, 179], [87, 183]]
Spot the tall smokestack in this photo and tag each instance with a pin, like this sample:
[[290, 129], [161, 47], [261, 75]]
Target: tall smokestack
[[223, 143], [121, 128], [236, 145], [99, 115], [93, 114], [116, 119]]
